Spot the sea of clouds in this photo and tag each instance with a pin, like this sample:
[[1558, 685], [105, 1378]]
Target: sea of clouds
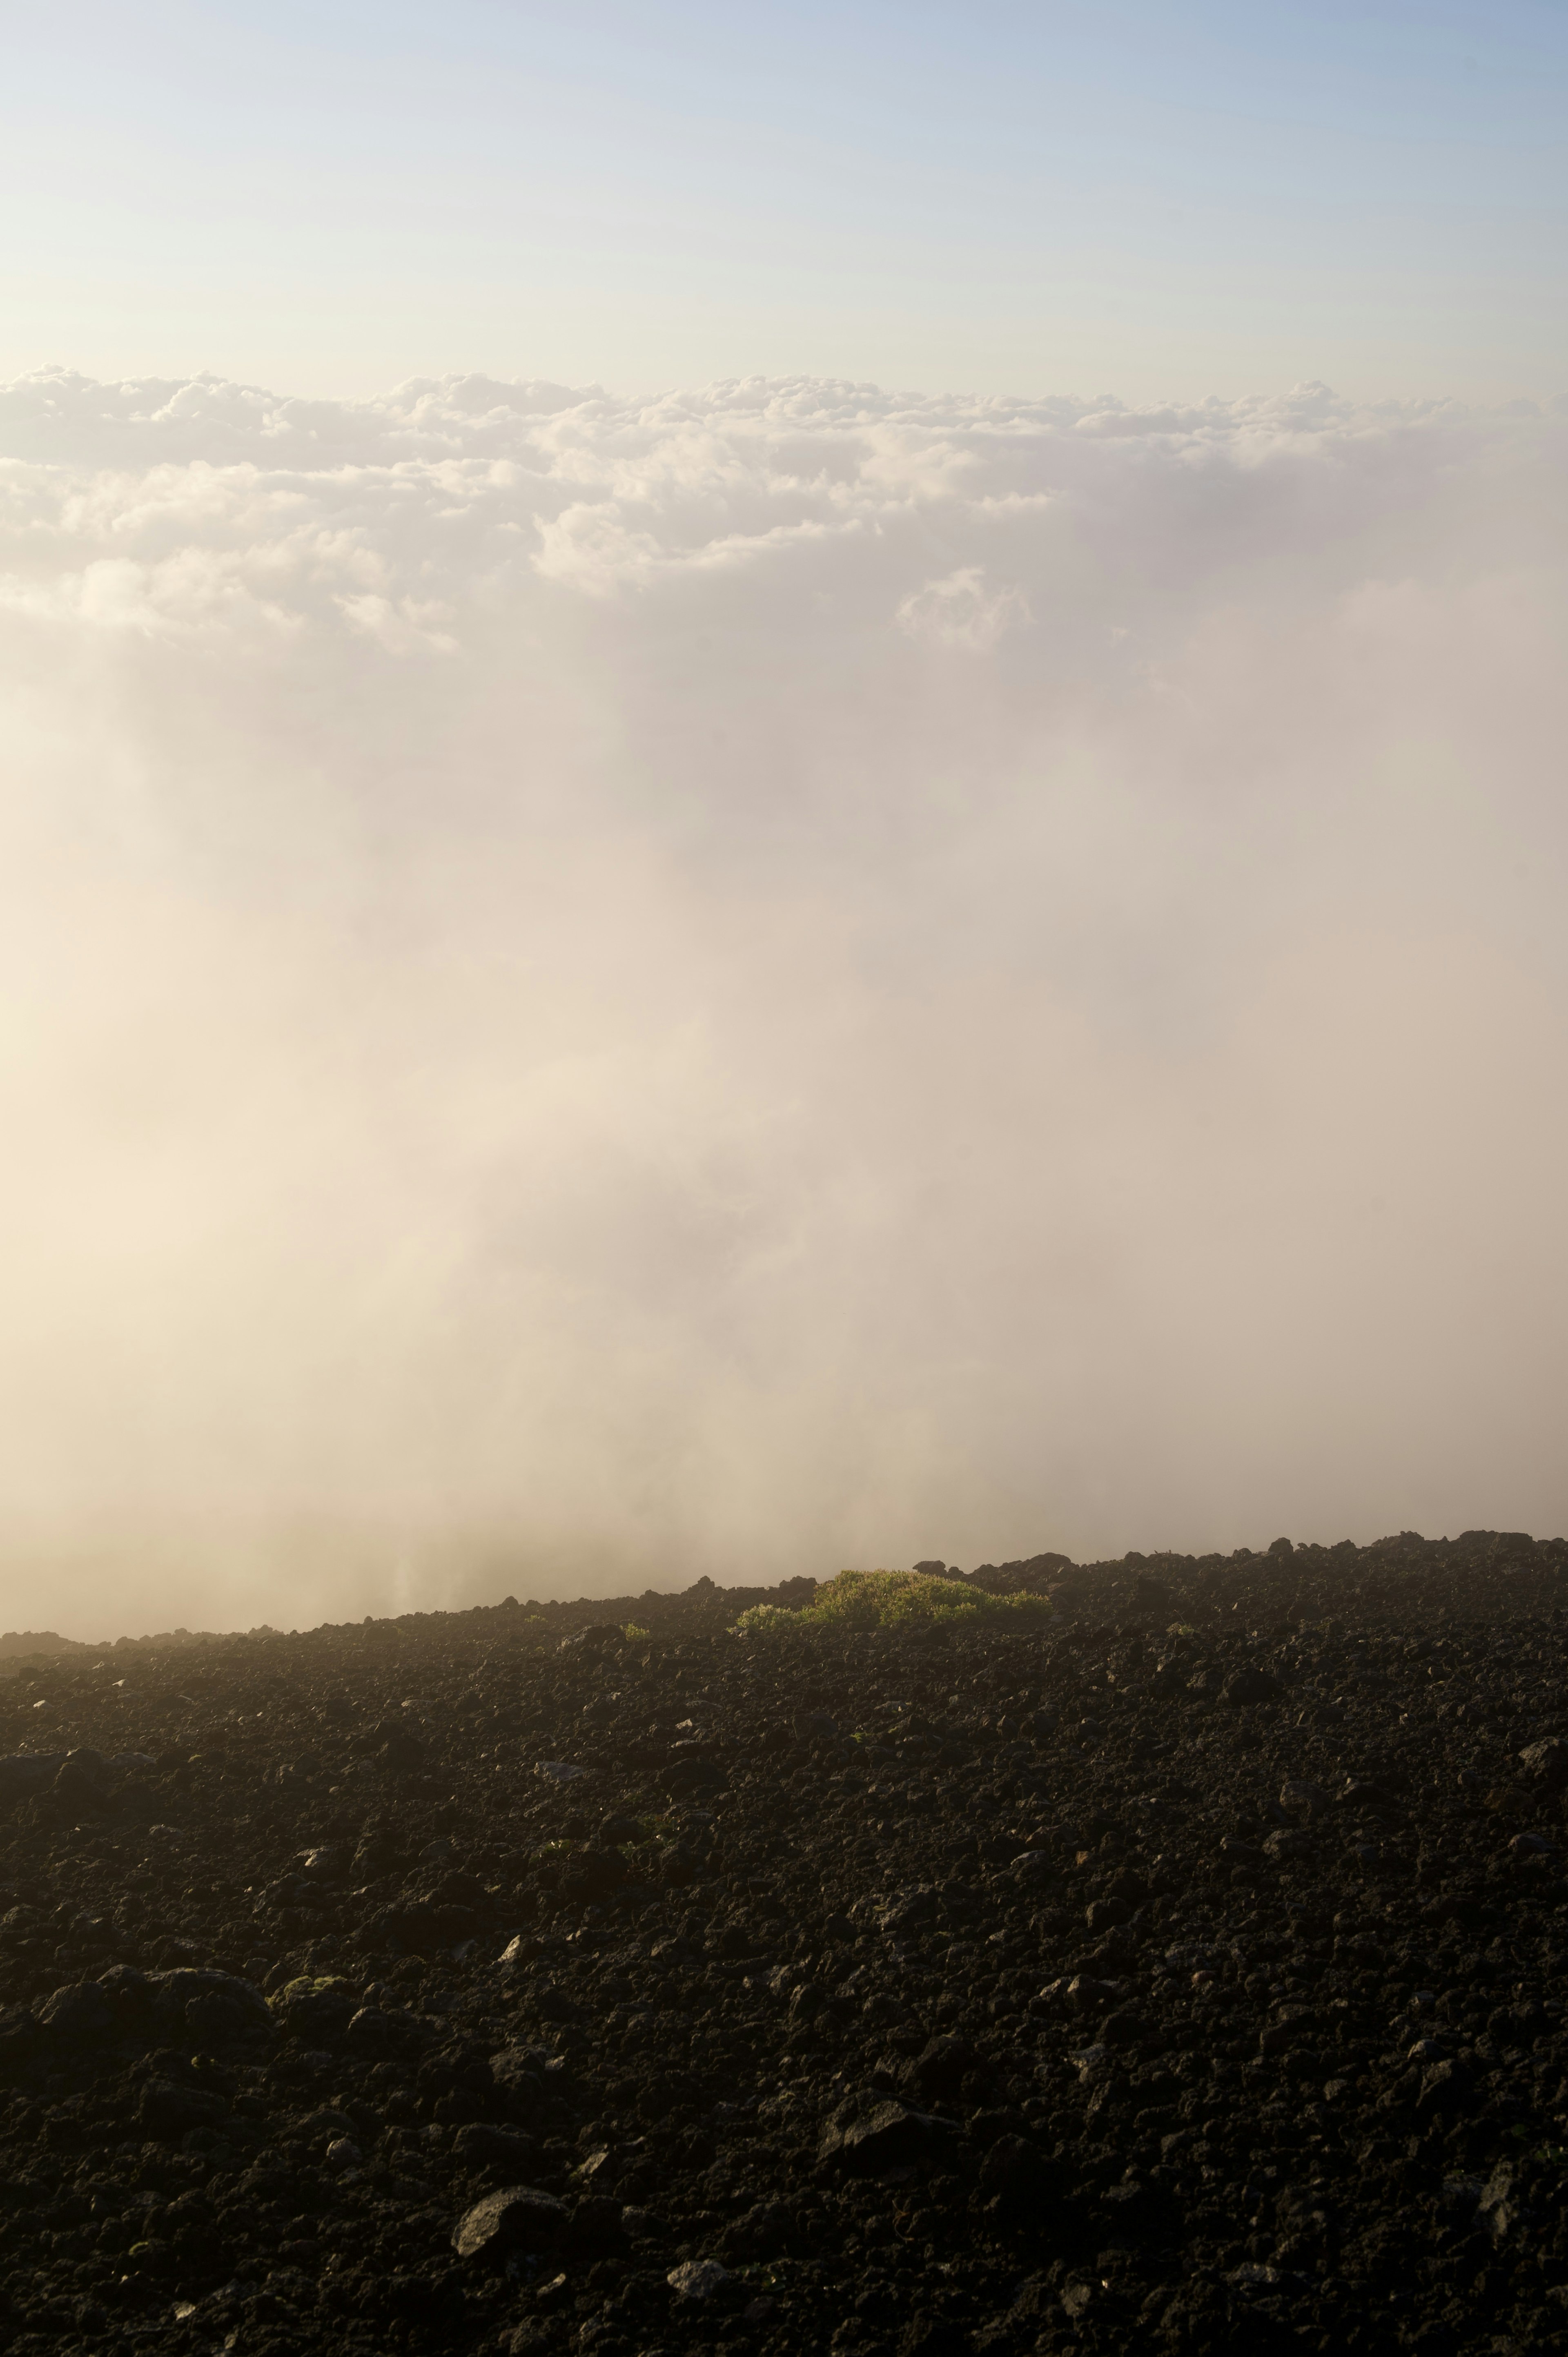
[[594, 990]]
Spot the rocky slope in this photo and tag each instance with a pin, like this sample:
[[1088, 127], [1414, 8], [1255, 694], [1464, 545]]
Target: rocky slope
[[1180, 1972]]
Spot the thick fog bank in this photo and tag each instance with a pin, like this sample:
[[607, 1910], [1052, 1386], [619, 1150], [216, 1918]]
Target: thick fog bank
[[597, 992]]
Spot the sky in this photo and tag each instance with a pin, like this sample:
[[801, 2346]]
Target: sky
[[1158, 202], [779, 791]]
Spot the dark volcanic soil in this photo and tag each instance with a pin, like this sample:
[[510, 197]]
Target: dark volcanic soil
[[1180, 1975]]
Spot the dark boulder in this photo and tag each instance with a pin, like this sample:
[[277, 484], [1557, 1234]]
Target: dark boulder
[[379, 2032], [215, 2007], [316, 2010], [910, 1910], [401, 1750], [938, 2071], [1546, 1762], [83, 1782], [892, 2137], [767, 2231], [518, 2074], [518, 2218], [590, 1873], [130, 1993], [23, 1773], [482, 2145], [79, 2014]]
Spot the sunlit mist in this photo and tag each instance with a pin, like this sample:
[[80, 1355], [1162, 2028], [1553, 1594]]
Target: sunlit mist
[[598, 991]]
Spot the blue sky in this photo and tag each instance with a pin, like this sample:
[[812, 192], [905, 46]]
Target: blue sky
[[1146, 200]]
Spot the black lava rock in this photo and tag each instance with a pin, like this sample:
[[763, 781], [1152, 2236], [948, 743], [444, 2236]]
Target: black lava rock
[[892, 2137], [519, 2218], [1181, 1970]]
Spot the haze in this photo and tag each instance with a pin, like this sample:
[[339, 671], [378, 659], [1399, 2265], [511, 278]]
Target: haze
[[599, 992], [646, 954]]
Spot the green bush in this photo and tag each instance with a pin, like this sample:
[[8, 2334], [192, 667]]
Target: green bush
[[891, 1600]]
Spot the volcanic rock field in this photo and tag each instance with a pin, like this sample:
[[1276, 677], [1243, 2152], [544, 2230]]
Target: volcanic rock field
[[1175, 1968]]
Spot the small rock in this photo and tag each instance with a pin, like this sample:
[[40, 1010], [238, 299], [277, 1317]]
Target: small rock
[[375, 2033], [1546, 1762], [893, 2137], [940, 2067], [1498, 2208], [1442, 2087], [909, 1911], [697, 2278], [766, 2232], [517, 2218], [518, 2072]]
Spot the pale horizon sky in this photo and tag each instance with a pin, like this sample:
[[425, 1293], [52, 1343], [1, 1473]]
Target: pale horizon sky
[[1140, 200]]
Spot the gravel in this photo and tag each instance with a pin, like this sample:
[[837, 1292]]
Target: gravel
[[1181, 1972]]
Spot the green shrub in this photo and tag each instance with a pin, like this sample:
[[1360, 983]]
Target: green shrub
[[891, 1600], [305, 1985]]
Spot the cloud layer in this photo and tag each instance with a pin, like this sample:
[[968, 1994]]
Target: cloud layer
[[596, 991]]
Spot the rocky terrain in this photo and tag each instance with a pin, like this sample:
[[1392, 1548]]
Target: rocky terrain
[[1176, 1970]]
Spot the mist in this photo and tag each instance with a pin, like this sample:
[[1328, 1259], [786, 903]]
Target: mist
[[597, 990]]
